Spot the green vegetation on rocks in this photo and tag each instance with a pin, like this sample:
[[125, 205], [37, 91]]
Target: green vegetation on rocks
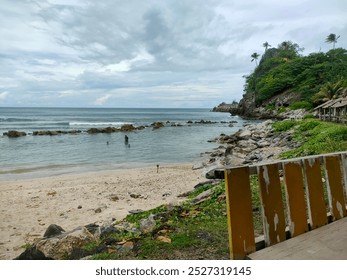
[[313, 78], [317, 137]]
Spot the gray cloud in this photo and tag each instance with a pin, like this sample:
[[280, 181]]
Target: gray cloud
[[157, 53]]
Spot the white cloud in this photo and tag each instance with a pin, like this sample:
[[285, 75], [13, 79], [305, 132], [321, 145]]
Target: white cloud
[[102, 100], [3, 95]]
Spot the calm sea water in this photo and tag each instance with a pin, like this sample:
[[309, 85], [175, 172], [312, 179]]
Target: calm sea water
[[48, 155]]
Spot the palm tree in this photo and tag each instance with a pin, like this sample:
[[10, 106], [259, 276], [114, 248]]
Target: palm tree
[[266, 45], [328, 91], [332, 38], [255, 57]]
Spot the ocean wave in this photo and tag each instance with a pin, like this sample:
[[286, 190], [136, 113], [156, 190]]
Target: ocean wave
[[98, 123]]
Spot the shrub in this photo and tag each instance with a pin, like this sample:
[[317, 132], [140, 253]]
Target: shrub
[[284, 125], [301, 105]]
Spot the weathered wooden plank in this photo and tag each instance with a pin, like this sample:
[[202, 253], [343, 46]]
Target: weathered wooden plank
[[272, 204], [295, 196], [239, 203], [344, 170], [334, 177], [253, 168], [325, 243], [315, 194]]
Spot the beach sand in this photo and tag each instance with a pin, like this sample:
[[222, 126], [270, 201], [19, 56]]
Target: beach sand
[[28, 207]]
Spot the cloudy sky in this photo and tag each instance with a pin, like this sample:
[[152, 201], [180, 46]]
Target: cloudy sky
[[153, 53]]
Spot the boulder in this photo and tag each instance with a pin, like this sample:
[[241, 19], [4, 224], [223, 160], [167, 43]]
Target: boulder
[[61, 246], [127, 127], [53, 230], [14, 133], [93, 130], [157, 125], [32, 253], [245, 134], [147, 225]]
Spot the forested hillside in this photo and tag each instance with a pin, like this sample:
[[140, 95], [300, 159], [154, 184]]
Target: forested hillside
[[313, 78]]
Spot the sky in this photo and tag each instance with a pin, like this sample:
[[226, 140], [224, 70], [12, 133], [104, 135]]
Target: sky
[[149, 54]]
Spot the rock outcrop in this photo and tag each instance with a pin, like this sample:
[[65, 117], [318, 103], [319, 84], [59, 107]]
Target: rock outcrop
[[225, 107], [248, 110], [253, 144], [14, 133], [55, 132]]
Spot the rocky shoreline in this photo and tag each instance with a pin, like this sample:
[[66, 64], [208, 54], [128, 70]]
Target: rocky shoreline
[[253, 144]]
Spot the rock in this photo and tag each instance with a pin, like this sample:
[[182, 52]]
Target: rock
[[202, 196], [136, 211], [263, 143], [93, 130], [215, 174], [127, 127], [93, 228], [157, 125], [32, 253], [109, 230], [53, 230], [245, 134], [225, 108], [55, 132], [61, 246], [202, 184], [147, 225], [14, 134], [114, 197]]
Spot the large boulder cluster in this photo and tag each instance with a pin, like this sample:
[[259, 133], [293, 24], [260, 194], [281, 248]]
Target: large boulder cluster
[[253, 144]]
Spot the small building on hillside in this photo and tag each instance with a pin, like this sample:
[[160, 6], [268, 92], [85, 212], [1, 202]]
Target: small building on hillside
[[333, 110]]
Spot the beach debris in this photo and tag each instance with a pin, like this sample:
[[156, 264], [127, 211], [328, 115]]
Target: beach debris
[[134, 195], [166, 194], [52, 193], [98, 210], [136, 211], [164, 239], [114, 197], [79, 207]]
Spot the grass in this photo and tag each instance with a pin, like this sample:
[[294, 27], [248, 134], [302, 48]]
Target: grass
[[317, 137], [195, 231]]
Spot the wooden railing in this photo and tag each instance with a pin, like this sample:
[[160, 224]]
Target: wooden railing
[[296, 195]]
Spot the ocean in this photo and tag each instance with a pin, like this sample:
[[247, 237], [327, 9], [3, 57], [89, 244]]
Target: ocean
[[181, 140]]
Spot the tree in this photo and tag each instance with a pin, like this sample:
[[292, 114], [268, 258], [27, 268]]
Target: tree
[[328, 91], [266, 45], [289, 50], [255, 57], [332, 39]]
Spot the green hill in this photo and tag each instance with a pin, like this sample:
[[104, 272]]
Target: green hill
[[285, 70]]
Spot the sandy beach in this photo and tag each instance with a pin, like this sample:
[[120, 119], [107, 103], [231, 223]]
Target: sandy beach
[[28, 207]]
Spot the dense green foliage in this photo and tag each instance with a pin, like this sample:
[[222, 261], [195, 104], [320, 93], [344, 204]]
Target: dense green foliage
[[317, 137], [283, 69]]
